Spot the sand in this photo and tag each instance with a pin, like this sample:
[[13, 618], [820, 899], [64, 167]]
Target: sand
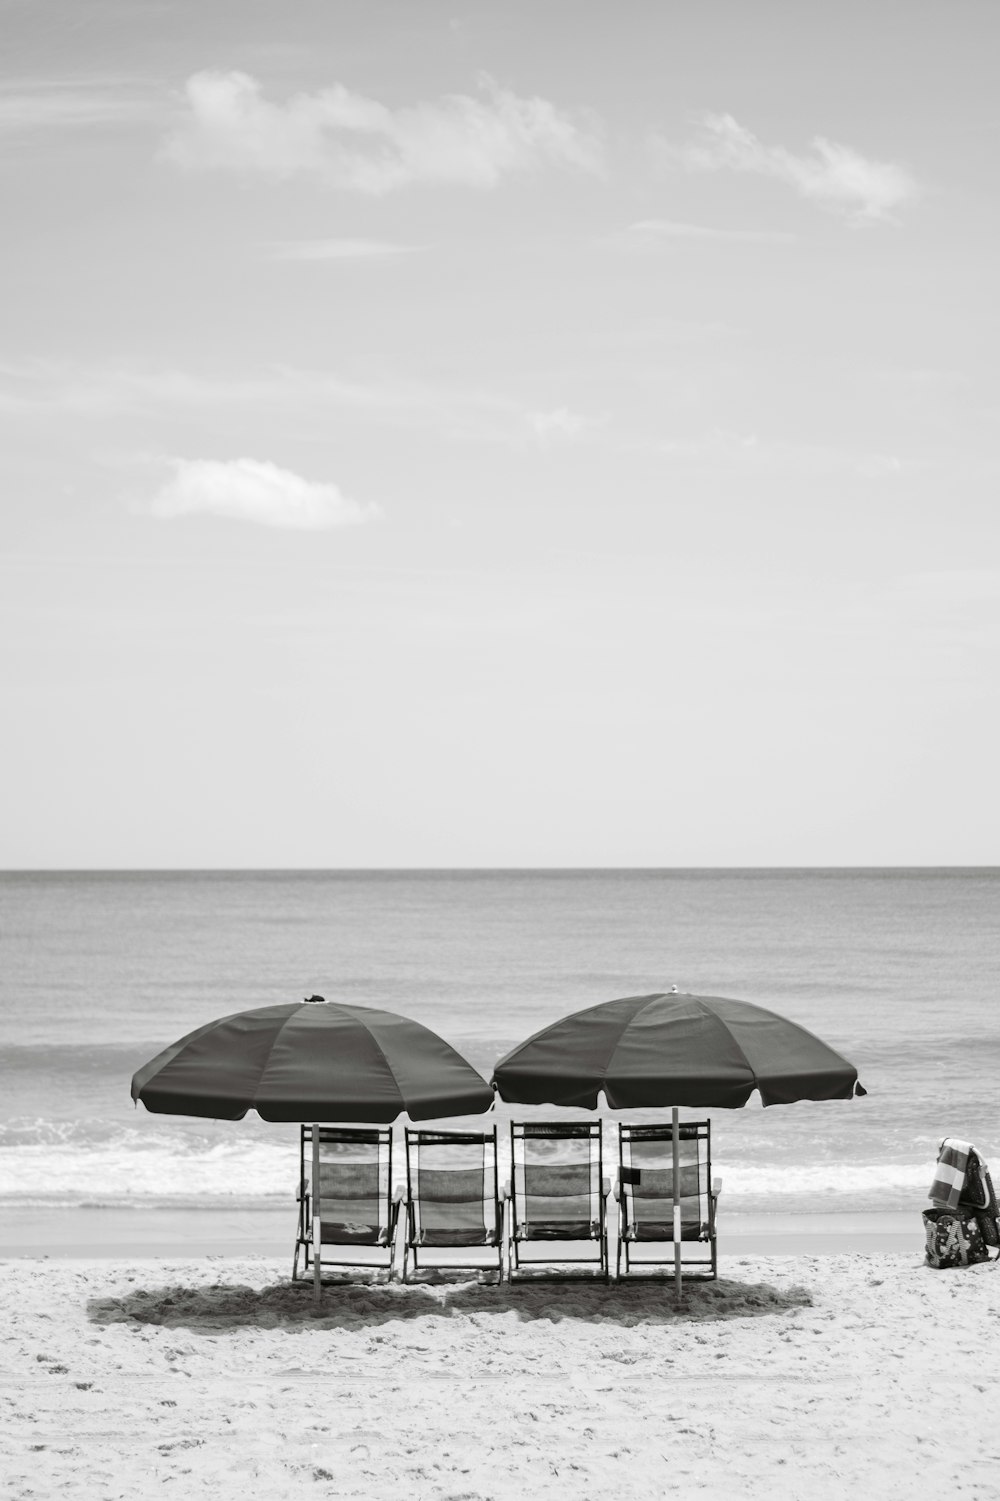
[[807, 1376], [33, 1230]]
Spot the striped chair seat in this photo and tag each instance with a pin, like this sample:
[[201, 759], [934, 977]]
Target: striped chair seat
[[453, 1201]]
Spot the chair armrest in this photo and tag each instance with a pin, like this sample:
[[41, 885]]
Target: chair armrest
[[616, 1190], [506, 1192], [399, 1194], [716, 1187], [606, 1187]]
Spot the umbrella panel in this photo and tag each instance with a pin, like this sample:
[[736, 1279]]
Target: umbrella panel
[[704, 1052], [311, 1063]]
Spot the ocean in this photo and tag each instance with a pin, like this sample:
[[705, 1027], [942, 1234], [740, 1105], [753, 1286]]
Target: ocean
[[897, 969]]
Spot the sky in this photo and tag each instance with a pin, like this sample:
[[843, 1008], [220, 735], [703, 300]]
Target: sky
[[465, 434]]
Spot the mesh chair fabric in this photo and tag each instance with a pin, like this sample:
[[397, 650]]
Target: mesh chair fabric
[[648, 1199], [351, 1194], [348, 1180], [453, 1203], [557, 1180], [347, 1222]]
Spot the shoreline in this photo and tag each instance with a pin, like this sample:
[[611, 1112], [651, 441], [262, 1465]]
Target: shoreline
[[84, 1232]]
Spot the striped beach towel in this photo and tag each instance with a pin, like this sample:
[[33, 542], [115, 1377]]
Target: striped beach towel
[[950, 1173]]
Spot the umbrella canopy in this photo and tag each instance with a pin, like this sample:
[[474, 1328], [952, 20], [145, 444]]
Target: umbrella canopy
[[311, 1061], [648, 1051]]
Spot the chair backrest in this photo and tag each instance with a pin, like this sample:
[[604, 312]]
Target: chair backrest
[[353, 1187], [558, 1170], [453, 1187], [646, 1172]]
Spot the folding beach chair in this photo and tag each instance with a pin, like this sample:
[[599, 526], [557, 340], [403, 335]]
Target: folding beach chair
[[645, 1194], [454, 1210], [558, 1197], [346, 1203]]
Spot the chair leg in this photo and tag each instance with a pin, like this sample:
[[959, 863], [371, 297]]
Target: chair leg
[[505, 1238], [301, 1244]]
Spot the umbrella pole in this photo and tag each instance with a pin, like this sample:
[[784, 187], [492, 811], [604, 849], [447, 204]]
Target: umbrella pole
[[317, 1220], [676, 1143]]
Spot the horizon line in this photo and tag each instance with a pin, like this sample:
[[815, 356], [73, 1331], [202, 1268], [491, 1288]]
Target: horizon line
[[364, 870]]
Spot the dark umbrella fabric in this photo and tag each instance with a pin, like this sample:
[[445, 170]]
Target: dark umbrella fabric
[[651, 1051], [312, 1061]]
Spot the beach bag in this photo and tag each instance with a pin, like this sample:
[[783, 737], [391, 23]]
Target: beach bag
[[954, 1238], [964, 1222], [980, 1196]]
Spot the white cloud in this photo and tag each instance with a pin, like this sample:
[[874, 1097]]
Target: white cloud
[[654, 231], [336, 250], [560, 423], [247, 490], [835, 176], [349, 141]]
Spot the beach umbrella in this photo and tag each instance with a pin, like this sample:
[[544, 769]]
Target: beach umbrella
[[671, 1049], [312, 1061]]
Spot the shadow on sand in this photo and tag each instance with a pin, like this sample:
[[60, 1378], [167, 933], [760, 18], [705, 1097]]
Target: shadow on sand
[[221, 1306]]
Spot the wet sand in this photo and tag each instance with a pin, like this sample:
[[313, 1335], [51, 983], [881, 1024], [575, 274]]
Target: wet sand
[[33, 1231]]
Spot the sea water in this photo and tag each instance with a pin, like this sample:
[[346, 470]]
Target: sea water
[[897, 969]]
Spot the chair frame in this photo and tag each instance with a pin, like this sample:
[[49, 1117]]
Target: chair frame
[[415, 1138], [553, 1266], [702, 1268], [315, 1251]]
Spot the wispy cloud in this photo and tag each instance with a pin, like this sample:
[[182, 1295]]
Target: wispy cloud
[[54, 104], [559, 424], [952, 586], [835, 176], [649, 232], [285, 395], [336, 250], [260, 493], [727, 450], [349, 141], [879, 465]]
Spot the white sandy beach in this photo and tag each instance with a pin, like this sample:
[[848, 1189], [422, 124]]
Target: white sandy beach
[[809, 1376]]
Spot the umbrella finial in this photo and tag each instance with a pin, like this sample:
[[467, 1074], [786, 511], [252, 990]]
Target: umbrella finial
[[309, 1000], [674, 990]]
